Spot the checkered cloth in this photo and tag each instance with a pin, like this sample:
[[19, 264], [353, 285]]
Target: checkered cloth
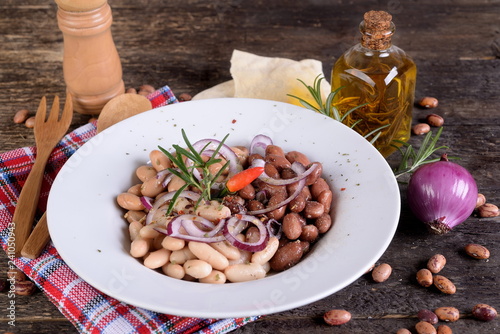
[[87, 308]]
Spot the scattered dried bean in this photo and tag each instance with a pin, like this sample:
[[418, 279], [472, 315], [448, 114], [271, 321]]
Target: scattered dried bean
[[436, 263], [488, 210], [184, 97], [444, 285], [447, 313], [481, 200], [30, 122], [484, 312], [428, 102], [421, 129], [403, 331], [424, 277], [16, 274], [434, 120], [424, 327], [443, 329], [21, 116], [477, 251], [24, 288], [381, 272], [427, 316], [337, 317]]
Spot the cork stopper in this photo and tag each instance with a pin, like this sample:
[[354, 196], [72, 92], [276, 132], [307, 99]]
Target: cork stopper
[[377, 29]]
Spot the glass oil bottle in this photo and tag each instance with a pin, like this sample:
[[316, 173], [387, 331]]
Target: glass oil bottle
[[381, 77]]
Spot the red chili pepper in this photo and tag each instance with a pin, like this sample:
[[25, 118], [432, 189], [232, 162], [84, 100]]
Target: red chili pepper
[[243, 178]]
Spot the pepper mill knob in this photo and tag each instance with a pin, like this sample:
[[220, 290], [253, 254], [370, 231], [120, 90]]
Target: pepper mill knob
[[91, 64]]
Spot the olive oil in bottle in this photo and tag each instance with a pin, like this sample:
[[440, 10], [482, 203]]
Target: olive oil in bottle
[[382, 77]]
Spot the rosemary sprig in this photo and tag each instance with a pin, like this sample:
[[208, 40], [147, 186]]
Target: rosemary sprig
[[412, 159], [328, 108], [206, 181]]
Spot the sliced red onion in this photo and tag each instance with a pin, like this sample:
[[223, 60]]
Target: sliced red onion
[[225, 151], [274, 228], [259, 144], [167, 197], [167, 180], [233, 228], [297, 168], [283, 182], [147, 202], [442, 195], [174, 230]]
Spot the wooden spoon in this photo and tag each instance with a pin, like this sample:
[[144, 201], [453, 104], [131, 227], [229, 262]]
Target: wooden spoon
[[122, 107]]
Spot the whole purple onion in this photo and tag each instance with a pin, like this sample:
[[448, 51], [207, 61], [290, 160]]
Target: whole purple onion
[[442, 194]]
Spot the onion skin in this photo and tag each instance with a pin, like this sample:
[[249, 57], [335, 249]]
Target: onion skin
[[442, 195]]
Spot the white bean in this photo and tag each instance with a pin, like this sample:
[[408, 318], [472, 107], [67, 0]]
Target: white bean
[[214, 211], [267, 253], [181, 256], [175, 184], [173, 270], [244, 272], [145, 173], [157, 258], [134, 229], [206, 253], [139, 247], [135, 189], [226, 249], [197, 268], [131, 216], [215, 277], [129, 201], [159, 160], [152, 187], [172, 243], [148, 232]]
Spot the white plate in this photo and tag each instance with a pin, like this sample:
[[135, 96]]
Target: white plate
[[90, 234]]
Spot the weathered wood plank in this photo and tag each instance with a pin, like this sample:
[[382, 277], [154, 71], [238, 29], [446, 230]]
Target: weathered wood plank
[[188, 44]]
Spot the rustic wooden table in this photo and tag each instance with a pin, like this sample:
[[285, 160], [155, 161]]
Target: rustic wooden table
[[188, 44]]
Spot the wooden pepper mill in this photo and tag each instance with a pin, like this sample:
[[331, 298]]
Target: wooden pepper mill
[[91, 64]]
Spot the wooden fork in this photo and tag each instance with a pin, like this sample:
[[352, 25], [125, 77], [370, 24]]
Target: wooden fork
[[48, 132]]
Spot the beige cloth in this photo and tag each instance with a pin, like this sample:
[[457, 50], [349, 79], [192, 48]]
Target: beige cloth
[[268, 78]]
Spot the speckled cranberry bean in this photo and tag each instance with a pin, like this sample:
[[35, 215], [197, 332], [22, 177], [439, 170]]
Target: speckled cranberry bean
[[30, 122], [488, 210], [481, 199], [484, 312], [381, 272], [428, 102], [428, 316], [443, 329], [477, 251], [436, 263], [24, 288], [403, 331], [434, 120], [447, 313], [444, 285], [424, 277], [21, 116], [421, 129], [337, 317], [424, 327]]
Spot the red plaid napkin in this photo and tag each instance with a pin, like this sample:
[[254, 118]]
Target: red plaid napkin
[[87, 308]]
